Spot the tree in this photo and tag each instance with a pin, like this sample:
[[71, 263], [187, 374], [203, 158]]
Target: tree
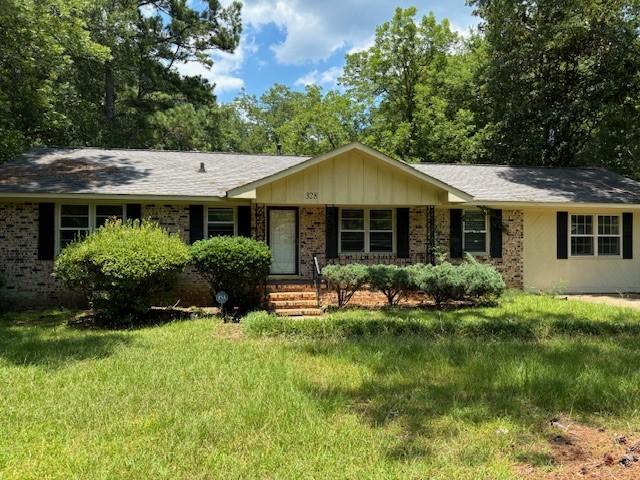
[[387, 77], [40, 41], [146, 39], [302, 123], [560, 77]]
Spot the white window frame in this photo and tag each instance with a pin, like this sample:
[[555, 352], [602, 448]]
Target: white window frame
[[92, 218], [486, 232], [367, 231], [595, 219], [235, 218]]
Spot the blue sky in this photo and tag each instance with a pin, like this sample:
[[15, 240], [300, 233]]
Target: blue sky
[[298, 42]]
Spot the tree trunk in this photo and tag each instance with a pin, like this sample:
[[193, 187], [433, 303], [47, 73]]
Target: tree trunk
[[109, 100]]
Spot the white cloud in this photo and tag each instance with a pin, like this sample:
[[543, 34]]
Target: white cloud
[[315, 29], [226, 67], [327, 78]]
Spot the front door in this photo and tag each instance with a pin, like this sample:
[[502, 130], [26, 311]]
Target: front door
[[283, 240]]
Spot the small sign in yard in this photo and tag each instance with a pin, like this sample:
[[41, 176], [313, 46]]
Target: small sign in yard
[[221, 298]]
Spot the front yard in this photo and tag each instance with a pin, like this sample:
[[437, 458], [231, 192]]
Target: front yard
[[401, 394]]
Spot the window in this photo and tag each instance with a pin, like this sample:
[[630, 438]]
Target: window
[[587, 240], [381, 231], [474, 226], [106, 212], [74, 222], [608, 235], [352, 231], [220, 222], [366, 230], [78, 220]]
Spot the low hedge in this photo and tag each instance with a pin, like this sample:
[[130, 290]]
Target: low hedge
[[444, 282]]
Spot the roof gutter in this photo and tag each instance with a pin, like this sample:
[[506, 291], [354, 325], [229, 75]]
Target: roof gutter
[[107, 196]]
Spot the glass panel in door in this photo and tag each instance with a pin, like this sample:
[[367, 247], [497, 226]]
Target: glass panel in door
[[282, 240]]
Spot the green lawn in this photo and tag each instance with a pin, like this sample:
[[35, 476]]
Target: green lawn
[[404, 394]]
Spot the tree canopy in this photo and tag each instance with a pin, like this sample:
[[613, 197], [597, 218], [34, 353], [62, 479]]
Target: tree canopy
[[540, 82]]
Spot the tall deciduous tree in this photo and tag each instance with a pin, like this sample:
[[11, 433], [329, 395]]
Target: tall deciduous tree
[[560, 77], [387, 76], [38, 43]]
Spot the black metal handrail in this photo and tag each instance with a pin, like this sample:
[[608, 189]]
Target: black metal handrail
[[317, 277]]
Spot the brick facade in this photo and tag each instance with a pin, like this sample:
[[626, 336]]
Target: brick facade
[[511, 265], [29, 281]]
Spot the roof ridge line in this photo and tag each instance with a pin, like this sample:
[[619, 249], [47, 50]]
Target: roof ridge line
[[119, 149]]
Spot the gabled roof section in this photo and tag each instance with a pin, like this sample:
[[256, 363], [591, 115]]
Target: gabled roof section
[[93, 171], [540, 185], [243, 190]]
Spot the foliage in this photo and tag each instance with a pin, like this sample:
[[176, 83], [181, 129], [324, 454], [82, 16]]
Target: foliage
[[302, 123], [417, 75], [352, 397], [482, 282], [443, 282], [121, 268], [77, 72], [237, 265], [446, 282], [391, 280], [560, 76], [39, 41], [345, 280]]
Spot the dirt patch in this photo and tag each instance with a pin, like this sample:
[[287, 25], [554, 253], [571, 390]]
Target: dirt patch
[[581, 452], [229, 331]]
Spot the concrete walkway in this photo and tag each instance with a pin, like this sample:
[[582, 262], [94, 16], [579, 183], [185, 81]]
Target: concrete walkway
[[629, 300]]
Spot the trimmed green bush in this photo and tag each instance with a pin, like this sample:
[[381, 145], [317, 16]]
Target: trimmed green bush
[[443, 282], [482, 282], [121, 268], [391, 280], [237, 265], [345, 280], [446, 282]]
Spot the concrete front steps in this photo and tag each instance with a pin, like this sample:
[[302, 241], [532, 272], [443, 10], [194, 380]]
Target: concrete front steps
[[293, 300]]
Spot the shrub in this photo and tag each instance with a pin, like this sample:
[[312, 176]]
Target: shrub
[[482, 282], [237, 265], [122, 267], [443, 282], [391, 280], [345, 280]]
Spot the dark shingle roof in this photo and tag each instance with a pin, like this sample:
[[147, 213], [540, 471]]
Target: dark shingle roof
[[136, 172], [168, 173], [500, 183]]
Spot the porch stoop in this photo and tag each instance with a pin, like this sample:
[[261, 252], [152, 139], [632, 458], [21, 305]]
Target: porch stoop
[[293, 299]]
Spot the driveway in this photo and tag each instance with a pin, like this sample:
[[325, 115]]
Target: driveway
[[629, 300]]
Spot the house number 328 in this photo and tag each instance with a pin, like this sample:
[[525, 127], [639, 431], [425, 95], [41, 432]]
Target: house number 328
[[311, 195]]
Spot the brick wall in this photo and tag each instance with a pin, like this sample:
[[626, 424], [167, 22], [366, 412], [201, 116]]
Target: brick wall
[[28, 281], [511, 265], [192, 289], [312, 238]]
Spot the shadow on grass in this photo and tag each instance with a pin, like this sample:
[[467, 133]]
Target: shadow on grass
[[43, 339], [415, 383]]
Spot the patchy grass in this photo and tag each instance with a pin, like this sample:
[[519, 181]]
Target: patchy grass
[[397, 394]]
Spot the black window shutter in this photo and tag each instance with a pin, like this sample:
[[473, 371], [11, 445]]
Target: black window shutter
[[627, 235], [134, 211], [495, 219], [402, 232], [455, 233], [331, 229], [196, 223], [562, 227], [46, 231], [244, 221]]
